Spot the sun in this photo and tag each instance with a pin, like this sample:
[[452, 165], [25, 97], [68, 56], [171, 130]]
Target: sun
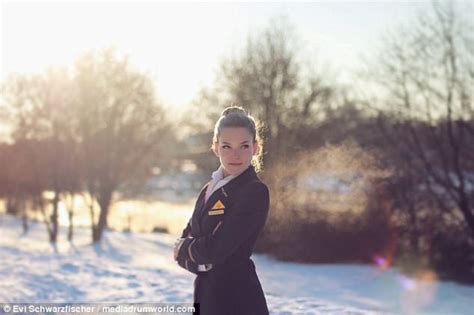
[[178, 45]]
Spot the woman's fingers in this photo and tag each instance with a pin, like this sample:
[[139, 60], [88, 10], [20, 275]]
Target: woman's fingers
[[177, 246]]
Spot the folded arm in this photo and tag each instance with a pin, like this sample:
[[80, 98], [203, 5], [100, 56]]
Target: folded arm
[[246, 217]]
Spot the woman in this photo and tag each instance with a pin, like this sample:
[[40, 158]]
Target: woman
[[230, 212]]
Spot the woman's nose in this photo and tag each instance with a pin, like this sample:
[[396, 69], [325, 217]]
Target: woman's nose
[[235, 152]]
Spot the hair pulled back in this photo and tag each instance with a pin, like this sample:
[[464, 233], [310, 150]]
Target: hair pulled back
[[234, 117]]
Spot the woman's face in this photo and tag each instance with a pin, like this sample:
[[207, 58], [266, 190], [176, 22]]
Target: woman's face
[[235, 149]]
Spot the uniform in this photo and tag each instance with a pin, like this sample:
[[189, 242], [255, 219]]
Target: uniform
[[222, 234]]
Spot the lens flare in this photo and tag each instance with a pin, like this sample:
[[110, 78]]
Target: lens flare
[[380, 261], [406, 282], [419, 290]]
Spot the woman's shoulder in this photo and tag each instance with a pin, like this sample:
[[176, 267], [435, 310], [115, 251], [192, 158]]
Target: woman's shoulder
[[253, 180], [256, 187]]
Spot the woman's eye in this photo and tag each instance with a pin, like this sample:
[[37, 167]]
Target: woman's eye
[[225, 146], [245, 146]]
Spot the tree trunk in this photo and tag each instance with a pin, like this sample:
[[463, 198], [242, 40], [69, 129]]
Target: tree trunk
[[414, 235], [53, 236], [70, 232], [71, 219], [12, 205], [99, 228], [24, 217], [92, 214], [467, 212], [104, 203]]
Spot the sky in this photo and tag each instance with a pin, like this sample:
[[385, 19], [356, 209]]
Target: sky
[[181, 44]]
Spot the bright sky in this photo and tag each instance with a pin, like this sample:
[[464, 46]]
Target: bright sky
[[182, 44]]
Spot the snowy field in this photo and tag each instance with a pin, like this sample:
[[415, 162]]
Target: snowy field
[[138, 268]]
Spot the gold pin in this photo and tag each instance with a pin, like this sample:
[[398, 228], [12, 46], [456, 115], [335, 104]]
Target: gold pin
[[218, 205]]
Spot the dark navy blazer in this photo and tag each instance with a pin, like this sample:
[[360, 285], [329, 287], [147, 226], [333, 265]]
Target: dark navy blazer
[[223, 232]]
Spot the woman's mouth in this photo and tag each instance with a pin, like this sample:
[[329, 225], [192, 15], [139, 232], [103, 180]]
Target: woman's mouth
[[235, 164]]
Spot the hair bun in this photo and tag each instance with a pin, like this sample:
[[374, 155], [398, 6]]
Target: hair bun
[[233, 109]]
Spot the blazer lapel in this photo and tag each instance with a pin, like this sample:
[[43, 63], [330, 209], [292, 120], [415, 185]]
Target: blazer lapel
[[226, 190], [199, 208]]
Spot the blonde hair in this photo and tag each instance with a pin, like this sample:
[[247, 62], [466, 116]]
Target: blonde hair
[[236, 116]]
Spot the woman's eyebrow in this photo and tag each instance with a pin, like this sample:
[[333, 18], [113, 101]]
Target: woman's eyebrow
[[243, 142]]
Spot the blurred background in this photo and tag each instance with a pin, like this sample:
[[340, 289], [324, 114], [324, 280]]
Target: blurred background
[[107, 111]]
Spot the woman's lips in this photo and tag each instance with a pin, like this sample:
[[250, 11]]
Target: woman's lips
[[235, 164]]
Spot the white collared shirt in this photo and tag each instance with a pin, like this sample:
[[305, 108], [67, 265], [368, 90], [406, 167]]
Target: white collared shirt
[[218, 180]]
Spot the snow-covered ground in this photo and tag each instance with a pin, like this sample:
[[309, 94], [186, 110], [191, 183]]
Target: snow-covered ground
[[138, 268]]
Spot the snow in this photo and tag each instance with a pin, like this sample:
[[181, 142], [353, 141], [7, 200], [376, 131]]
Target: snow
[[138, 268]]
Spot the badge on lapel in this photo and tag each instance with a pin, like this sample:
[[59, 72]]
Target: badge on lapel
[[217, 208]]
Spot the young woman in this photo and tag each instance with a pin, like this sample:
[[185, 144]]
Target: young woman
[[230, 212]]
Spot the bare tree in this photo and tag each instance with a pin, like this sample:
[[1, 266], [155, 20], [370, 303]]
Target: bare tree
[[120, 126], [427, 74], [41, 110], [18, 184], [269, 78]]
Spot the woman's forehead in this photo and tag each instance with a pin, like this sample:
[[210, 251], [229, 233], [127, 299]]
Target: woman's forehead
[[240, 134]]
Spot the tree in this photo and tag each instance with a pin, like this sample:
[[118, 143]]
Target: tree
[[268, 78], [41, 110], [18, 184], [119, 128], [427, 75]]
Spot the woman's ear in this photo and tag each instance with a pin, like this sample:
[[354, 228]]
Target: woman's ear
[[256, 148], [215, 146]]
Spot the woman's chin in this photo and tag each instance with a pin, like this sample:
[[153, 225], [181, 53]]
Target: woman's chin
[[235, 169]]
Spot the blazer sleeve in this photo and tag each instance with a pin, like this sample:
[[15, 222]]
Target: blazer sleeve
[[246, 217], [187, 230]]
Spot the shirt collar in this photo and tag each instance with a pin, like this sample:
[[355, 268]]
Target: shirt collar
[[218, 174]]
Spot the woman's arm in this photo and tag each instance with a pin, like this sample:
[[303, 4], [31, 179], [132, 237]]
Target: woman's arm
[[187, 230], [184, 234], [245, 218], [185, 263]]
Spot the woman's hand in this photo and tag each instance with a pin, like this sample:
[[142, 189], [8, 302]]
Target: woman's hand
[[177, 246]]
